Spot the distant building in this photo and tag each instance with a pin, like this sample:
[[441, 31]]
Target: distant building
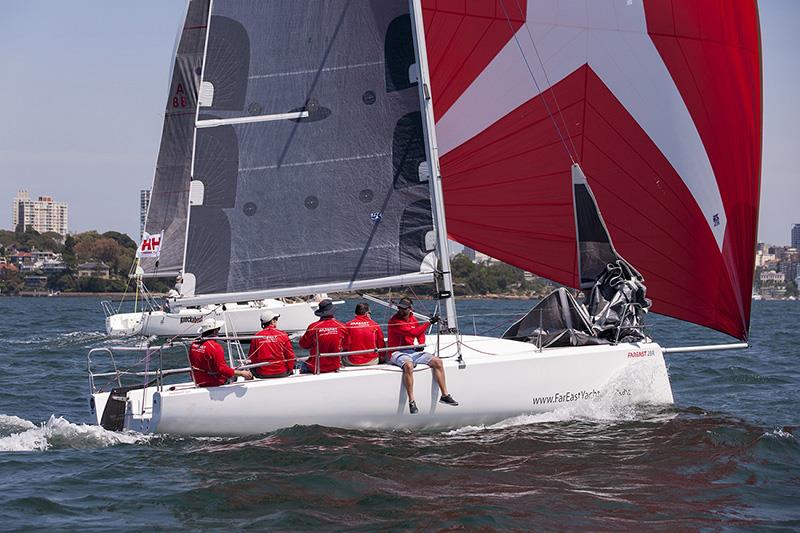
[[42, 215], [769, 276], [35, 282], [93, 270], [481, 257], [48, 262], [144, 203], [7, 267], [20, 258], [470, 253], [788, 268], [53, 266], [796, 236], [764, 258]]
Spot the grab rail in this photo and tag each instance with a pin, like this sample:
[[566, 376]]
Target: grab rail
[[107, 309], [118, 373]]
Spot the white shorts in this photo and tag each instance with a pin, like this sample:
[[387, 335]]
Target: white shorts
[[401, 357]]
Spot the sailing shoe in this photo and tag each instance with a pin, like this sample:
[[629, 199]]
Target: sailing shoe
[[448, 400], [412, 408]]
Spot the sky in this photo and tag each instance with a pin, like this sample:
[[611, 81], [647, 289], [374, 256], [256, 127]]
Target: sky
[[84, 83]]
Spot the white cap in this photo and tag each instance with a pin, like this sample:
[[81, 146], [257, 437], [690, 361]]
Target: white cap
[[268, 316], [208, 324]]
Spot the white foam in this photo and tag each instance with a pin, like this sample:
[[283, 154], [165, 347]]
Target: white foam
[[62, 339], [621, 399], [779, 433], [58, 432], [13, 424]]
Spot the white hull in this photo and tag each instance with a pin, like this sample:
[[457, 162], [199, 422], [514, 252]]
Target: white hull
[[240, 319], [500, 379]]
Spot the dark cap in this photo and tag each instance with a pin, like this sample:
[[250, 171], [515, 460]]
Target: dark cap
[[325, 308], [404, 303]]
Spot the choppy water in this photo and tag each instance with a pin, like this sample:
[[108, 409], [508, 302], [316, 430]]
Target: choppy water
[[726, 456]]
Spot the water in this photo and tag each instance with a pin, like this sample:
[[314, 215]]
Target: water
[[726, 456]]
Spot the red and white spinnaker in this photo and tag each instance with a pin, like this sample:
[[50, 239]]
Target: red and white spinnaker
[[658, 101]]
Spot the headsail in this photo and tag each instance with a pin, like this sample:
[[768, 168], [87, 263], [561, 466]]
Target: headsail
[[170, 197], [334, 198], [659, 103]]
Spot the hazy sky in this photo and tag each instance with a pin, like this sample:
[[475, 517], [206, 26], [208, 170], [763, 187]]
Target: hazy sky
[[83, 90]]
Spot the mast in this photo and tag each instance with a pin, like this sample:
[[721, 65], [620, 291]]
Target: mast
[[432, 153]]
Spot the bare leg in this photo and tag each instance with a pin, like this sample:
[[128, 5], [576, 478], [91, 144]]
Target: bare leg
[[408, 379], [438, 373]]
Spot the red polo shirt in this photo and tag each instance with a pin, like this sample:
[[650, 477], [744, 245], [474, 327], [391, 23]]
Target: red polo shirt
[[209, 367], [273, 346], [329, 335], [404, 331], [363, 333]]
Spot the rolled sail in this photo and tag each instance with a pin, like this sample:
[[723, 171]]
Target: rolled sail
[[310, 156], [659, 102]]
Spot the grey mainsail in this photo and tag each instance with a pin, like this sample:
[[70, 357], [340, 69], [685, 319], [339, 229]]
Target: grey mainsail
[[170, 196], [338, 196]]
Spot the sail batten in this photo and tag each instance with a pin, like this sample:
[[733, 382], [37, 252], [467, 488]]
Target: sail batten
[[212, 123]]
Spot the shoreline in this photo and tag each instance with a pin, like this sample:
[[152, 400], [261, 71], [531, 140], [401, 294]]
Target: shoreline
[[32, 294]]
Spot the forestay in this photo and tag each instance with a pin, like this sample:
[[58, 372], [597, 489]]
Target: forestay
[[338, 192], [659, 103], [170, 194]]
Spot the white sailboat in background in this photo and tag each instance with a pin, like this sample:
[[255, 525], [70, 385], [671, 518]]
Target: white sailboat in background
[[314, 168], [240, 318]]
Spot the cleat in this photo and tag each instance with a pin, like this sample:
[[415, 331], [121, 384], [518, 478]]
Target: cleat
[[412, 408]]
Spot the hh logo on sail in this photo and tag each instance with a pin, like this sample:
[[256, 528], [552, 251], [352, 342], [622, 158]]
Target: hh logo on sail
[[151, 245]]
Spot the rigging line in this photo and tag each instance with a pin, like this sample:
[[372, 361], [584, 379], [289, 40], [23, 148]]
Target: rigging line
[[549, 85], [424, 306], [536, 83], [127, 286]]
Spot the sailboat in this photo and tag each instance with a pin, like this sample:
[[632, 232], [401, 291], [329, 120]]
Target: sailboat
[[337, 144]]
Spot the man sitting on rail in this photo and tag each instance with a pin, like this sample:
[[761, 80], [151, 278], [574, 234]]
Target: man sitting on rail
[[363, 333], [271, 346], [207, 358], [326, 335], [404, 330]]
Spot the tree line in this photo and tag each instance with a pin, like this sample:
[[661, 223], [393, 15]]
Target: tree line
[[481, 279], [112, 248]]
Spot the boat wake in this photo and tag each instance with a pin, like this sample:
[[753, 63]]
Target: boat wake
[[73, 338], [20, 435]]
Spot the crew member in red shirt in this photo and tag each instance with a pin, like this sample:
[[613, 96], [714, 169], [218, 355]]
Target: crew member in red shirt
[[209, 368], [271, 346], [326, 335], [405, 330], [363, 333]]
